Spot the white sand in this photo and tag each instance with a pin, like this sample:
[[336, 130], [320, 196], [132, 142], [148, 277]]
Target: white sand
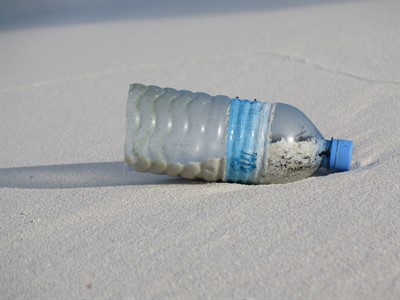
[[75, 223]]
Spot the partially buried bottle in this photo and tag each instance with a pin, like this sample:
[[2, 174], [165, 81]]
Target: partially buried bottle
[[216, 138]]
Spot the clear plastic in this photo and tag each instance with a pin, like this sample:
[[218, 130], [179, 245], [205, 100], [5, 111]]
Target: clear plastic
[[180, 133], [297, 149]]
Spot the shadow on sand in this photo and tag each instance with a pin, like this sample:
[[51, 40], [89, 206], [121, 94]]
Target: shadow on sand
[[79, 176]]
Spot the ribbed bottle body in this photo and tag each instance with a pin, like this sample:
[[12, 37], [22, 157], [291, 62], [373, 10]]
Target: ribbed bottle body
[[177, 133]]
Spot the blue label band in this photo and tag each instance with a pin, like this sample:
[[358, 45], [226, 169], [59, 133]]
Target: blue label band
[[246, 141]]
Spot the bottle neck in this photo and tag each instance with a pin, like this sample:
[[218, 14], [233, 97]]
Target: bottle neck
[[326, 154]]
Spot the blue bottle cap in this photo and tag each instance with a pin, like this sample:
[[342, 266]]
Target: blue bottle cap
[[340, 155]]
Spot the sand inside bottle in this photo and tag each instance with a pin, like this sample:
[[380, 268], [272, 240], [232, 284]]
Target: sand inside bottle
[[292, 161]]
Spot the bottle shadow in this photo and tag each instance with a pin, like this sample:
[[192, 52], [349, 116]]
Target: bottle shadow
[[79, 176]]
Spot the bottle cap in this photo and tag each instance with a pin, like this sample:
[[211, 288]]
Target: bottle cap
[[340, 155]]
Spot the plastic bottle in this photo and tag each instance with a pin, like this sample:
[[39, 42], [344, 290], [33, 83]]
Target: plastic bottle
[[195, 135]]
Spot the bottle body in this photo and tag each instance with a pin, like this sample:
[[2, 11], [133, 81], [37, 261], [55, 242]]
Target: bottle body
[[176, 133], [195, 135]]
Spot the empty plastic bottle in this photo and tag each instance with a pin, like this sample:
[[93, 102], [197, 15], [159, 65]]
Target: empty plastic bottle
[[195, 135]]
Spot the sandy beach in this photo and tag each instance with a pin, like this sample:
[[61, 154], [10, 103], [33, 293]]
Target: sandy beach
[[77, 223]]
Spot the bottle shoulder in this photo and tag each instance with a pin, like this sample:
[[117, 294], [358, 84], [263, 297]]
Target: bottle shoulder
[[291, 124]]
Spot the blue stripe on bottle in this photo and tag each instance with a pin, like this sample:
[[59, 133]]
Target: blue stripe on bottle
[[242, 140]]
